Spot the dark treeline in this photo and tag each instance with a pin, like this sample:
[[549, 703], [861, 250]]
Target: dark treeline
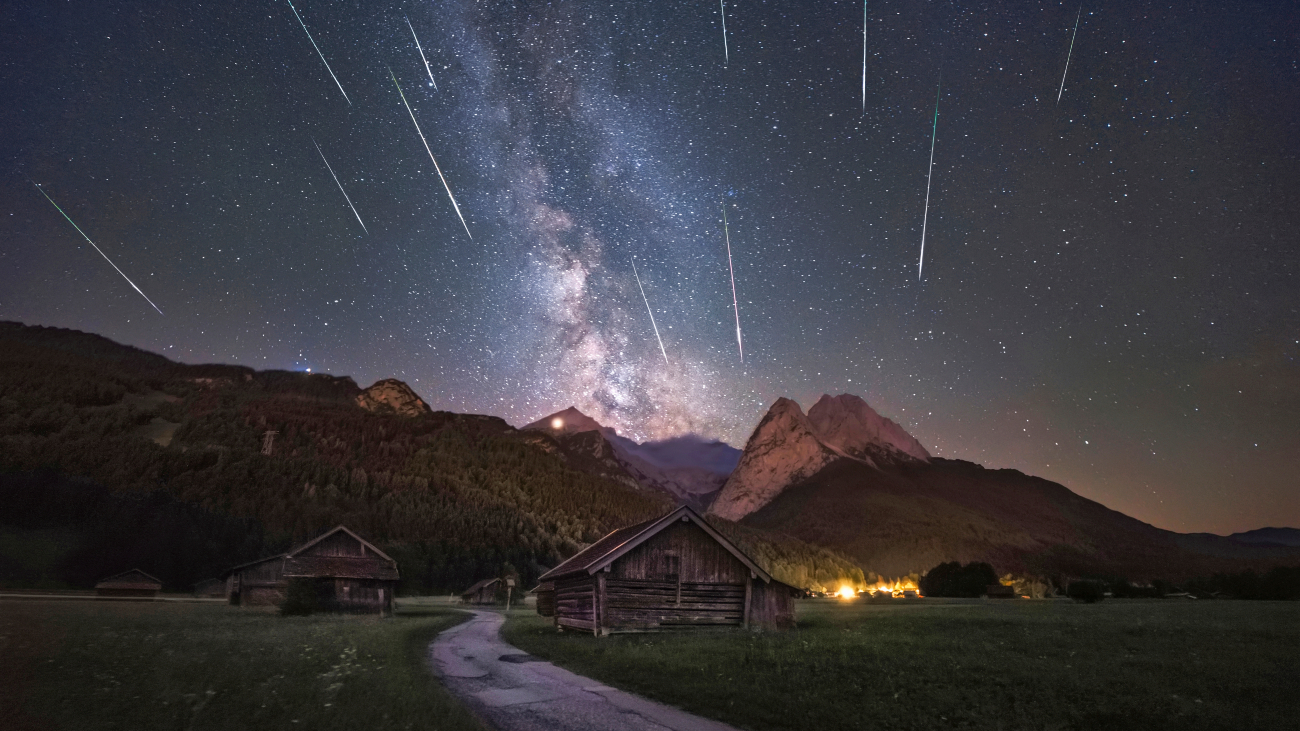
[[179, 543], [955, 580]]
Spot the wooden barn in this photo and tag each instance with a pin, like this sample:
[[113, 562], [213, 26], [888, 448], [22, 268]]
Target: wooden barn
[[347, 573], [134, 583], [484, 592], [671, 572], [257, 584]]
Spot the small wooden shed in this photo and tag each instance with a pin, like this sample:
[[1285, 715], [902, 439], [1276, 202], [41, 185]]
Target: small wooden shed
[[347, 573], [484, 592], [134, 583], [675, 571]]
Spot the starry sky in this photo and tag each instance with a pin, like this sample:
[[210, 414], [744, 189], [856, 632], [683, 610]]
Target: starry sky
[[1109, 291]]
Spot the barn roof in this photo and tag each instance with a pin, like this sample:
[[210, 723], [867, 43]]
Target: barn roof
[[293, 553], [380, 566], [602, 553], [479, 586], [133, 579]]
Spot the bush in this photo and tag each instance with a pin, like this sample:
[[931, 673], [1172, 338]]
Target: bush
[[954, 580], [300, 598], [1086, 591]]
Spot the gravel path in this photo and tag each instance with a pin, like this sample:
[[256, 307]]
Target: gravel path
[[514, 691]]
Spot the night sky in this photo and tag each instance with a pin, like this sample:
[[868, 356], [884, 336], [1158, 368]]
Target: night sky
[[1109, 292]]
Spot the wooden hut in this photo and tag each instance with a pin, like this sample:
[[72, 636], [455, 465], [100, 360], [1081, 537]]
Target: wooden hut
[[257, 584], [347, 574], [545, 593], [484, 592], [134, 583], [671, 572]]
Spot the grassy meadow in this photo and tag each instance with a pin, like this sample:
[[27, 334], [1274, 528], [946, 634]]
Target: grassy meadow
[[164, 665], [1128, 664]]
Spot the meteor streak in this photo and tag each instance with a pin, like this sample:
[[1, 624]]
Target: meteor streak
[[422, 58], [925, 219], [1070, 53], [431, 157], [318, 53], [101, 251], [736, 306], [340, 185], [726, 54], [652, 314], [864, 56]]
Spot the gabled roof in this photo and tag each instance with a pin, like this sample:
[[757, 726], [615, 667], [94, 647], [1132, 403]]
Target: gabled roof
[[602, 553], [135, 578], [293, 553], [480, 585]]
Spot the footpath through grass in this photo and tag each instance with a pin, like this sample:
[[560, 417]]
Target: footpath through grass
[[953, 664], [145, 665]]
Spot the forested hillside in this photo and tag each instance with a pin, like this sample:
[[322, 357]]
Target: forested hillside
[[139, 461]]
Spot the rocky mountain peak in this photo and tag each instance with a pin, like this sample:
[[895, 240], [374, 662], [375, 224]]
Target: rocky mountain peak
[[782, 451], [568, 421], [848, 424], [391, 396]]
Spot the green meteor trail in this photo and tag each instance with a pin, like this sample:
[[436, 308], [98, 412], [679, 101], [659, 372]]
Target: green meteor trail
[[101, 251]]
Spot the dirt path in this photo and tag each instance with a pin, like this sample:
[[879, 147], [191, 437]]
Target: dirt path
[[516, 692]]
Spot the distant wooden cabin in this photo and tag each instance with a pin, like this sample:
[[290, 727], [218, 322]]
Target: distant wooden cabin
[[134, 583], [545, 593], [349, 574], [484, 592], [210, 589], [668, 573]]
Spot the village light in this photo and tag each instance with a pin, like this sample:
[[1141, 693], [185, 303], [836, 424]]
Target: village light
[[557, 423], [846, 592]]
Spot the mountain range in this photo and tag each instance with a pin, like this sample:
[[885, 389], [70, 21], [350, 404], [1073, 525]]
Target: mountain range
[[846, 478], [688, 468], [262, 458]]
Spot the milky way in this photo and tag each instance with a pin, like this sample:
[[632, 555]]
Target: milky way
[[1109, 280]]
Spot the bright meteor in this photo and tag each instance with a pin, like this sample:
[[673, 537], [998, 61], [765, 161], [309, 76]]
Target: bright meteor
[[864, 56], [431, 157], [1070, 53], [101, 251], [726, 53], [652, 313], [422, 58], [340, 185], [318, 53], [925, 219], [734, 304]]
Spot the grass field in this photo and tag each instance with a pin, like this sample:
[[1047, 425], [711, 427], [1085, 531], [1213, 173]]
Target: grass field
[[965, 664], [146, 665]]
